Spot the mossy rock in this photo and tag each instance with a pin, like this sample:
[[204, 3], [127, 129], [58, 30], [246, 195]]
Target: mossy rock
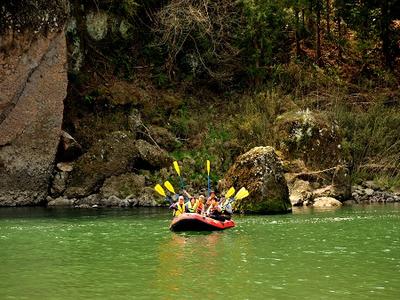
[[122, 186], [119, 153], [113, 155], [309, 136], [162, 136], [261, 172]]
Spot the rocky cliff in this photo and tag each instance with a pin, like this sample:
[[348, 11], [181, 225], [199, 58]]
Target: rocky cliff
[[33, 86]]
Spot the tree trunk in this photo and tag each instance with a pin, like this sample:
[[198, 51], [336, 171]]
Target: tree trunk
[[310, 20], [318, 12], [303, 20], [296, 14], [339, 29], [328, 17], [385, 24]]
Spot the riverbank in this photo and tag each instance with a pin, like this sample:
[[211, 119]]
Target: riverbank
[[366, 193]]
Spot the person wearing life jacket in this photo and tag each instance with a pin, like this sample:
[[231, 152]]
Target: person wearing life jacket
[[212, 196], [201, 204], [209, 200], [226, 208], [179, 206], [191, 205], [215, 211]]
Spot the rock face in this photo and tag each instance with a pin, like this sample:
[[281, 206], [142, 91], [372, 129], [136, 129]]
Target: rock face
[[309, 136], [33, 85], [300, 193], [261, 172], [119, 153]]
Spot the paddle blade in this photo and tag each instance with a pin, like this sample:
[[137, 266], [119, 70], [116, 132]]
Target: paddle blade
[[230, 192], [208, 167], [176, 166], [243, 193], [160, 190], [169, 186]]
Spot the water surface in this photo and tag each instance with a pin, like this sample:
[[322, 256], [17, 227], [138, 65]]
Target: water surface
[[351, 253]]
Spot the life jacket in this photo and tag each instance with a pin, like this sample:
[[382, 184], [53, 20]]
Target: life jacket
[[180, 209], [200, 206], [191, 208]]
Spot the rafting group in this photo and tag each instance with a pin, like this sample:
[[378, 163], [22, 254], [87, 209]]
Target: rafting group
[[198, 213]]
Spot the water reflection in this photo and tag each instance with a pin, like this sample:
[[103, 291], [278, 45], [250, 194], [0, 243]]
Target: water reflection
[[181, 256]]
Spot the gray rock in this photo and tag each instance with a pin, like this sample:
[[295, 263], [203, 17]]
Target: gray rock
[[111, 201], [163, 137], [349, 202], [76, 192], [111, 156], [341, 182], [261, 172], [154, 157], [300, 192], [123, 185], [90, 200], [69, 149], [326, 202], [369, 191], [65, 167], [326, 191], [134, 121], [147, 198], [371, 185], [61, 201], [59, 183], [97, 25]]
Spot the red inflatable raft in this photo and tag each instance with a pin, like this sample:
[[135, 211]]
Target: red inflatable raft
[[196, 222]]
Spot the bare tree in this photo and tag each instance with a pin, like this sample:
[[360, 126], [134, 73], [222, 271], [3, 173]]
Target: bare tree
[[203, 28]]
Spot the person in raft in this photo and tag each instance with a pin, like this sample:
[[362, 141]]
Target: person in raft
[[191, 205], [209, 200], [226, 208], [201, 204], [179, 206], [197, 206], [214, 211]]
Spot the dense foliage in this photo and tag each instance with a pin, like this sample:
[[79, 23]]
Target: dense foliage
[[242, 64]]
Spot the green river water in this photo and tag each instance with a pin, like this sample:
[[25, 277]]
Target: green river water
[[350, 253]]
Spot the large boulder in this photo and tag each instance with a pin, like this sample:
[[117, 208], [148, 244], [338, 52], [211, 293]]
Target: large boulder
[[122, 186], [152, 156], [341, 182], [300, 192], [119, 153], [311, 137], [33, 86], [162, 136], [114, 155], [68, 149], [261, 172], [326, 202]]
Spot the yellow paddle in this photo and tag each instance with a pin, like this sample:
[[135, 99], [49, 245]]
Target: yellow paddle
[[242, 193], [176, 166], [229, 193], [160, 190], [169, 186], [178, 171]]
